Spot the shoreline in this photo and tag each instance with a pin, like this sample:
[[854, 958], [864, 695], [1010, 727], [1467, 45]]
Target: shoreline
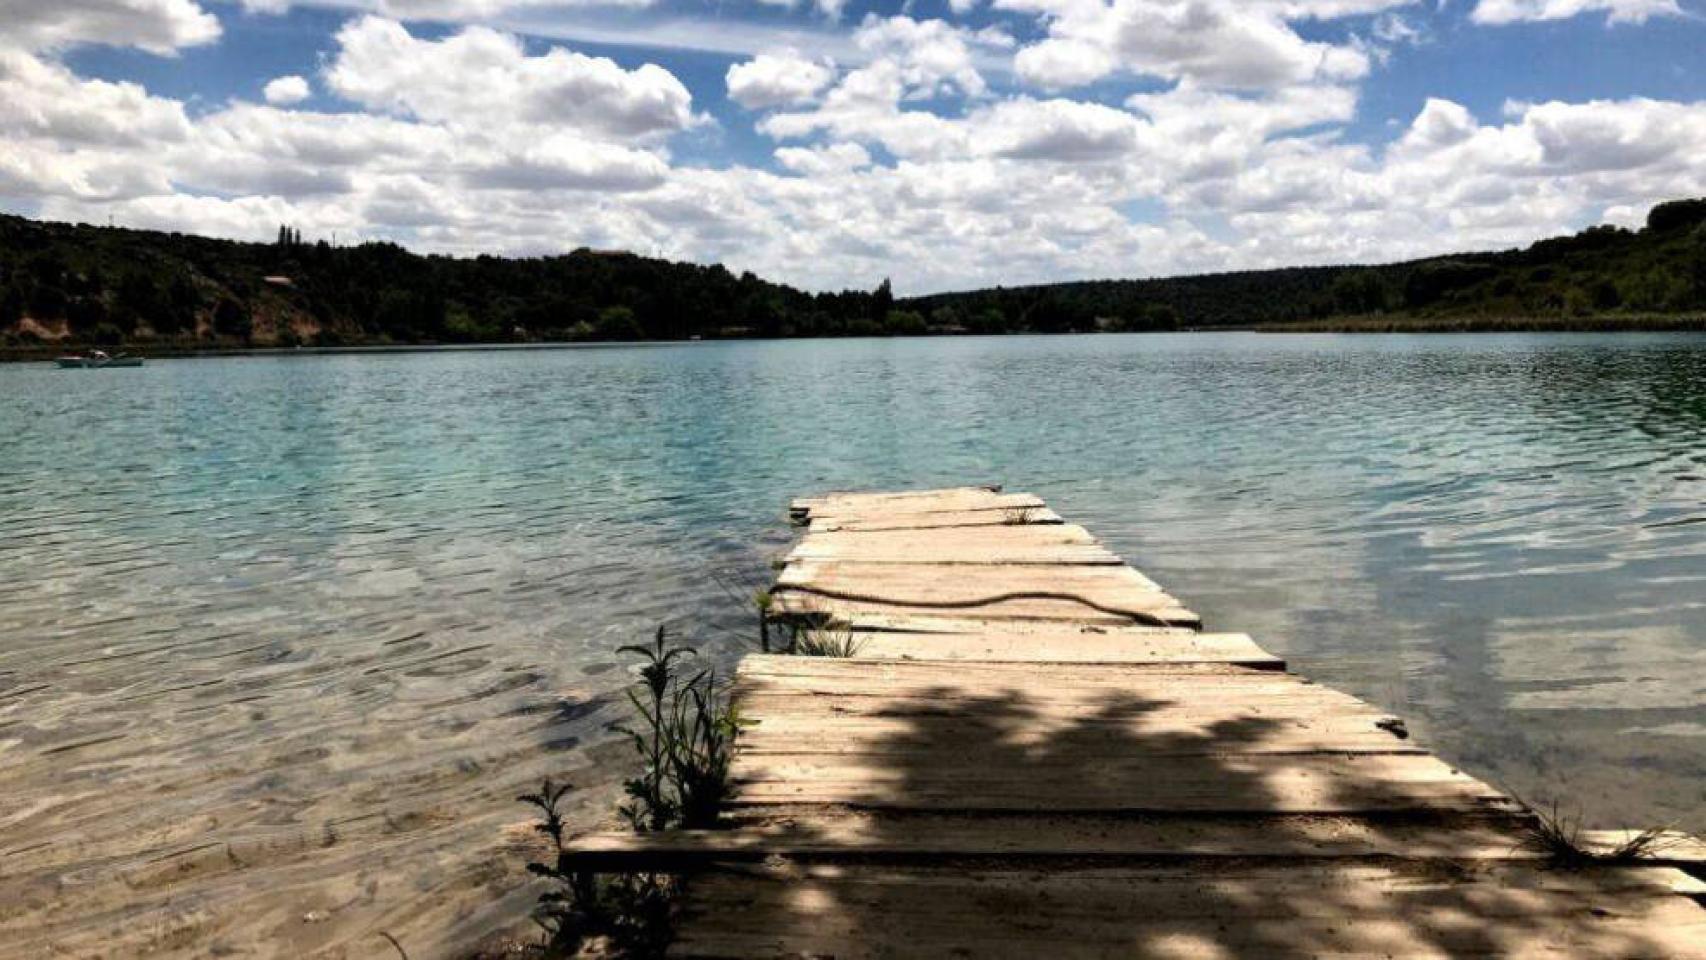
[[1354, 325]]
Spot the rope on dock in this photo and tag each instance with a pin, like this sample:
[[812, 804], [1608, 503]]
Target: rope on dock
[[1140, 616]]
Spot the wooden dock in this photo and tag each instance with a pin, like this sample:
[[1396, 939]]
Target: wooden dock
[[1036, 752]]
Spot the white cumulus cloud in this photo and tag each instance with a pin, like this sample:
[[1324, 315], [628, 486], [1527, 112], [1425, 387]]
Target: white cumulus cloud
[[481, 77], [1222, 43], [157, 26], [283, 91], [777, 80], [830, 158], [1616, 11]]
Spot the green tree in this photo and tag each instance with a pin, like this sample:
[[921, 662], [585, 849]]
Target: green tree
[[1160, 316], [1359, 291], [882, 301], [232, 319], [178, 310], [84, 314], [137, 300], [618, 323], [1676, 215], [47, 302], [11, 306], [904, 323], [989, 320]]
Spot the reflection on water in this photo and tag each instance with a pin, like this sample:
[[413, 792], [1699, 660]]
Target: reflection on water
[[281, 638]]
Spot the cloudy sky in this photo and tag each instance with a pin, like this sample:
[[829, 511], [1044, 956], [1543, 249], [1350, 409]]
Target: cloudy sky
[[831, 143]]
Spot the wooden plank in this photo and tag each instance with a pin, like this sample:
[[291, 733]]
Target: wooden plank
[[998, 709], [1275, 718], [1162, 610], [950, 552], [1031, 544], [1180, 911], [941, 502], [905, 580], [969, 624], [1080, 681], [1671, 846], [875, 836], [997, 780], [876, 522], [898, 744], [1115, 689], [892, 496], [1229, 648], [985, 535], [1087, 594], [896, 502]]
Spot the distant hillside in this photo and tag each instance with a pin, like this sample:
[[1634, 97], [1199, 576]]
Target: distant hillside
[[1604, 277], [63, 286], [66, 284]]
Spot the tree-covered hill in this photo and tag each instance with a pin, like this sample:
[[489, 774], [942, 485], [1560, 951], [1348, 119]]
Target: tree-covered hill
[[64, 285], [107, 285], [1604, 277]]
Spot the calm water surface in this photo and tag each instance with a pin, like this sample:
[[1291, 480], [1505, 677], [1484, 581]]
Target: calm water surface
[[281, 638]]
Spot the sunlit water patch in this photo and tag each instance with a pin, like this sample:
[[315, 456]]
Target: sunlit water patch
[[281, 639]]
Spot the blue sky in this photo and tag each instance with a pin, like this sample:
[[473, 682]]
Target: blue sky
[[945, 145]]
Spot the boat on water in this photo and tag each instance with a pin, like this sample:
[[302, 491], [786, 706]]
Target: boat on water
[[95, 360]]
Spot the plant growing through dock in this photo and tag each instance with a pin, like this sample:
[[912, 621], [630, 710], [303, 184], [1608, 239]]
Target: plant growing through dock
[[685, 739], [653, 808], [824, 641], [764, 601], [1559, 838], [704, 726], [629, 911], [1018, 516]]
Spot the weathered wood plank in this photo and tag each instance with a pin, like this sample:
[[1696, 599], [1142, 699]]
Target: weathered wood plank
[[1163, 610], [877, 522], [1106, 648], [1022, 687], [905, 580], [1253, 710], [985, 535], [903, 741], [922, 501], [997, 780], [967, 624], [1085, 594], [901, 674], [899, 496], [1180, 911], [1031, 544], [1018, 506], [876, 836], [1671, 846]]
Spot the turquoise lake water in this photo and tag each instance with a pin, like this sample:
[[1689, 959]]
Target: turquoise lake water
[[327, 613]]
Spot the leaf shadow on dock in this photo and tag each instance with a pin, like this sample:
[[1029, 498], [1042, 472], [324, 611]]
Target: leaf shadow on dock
[[952, 821]]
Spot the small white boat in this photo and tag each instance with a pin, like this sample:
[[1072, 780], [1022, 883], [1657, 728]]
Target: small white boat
[[95, 360]]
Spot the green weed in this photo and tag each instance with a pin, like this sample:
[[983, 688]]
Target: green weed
[[1559, 838], [824, 641], [1018, 516], [629, 912], [685, 740]]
